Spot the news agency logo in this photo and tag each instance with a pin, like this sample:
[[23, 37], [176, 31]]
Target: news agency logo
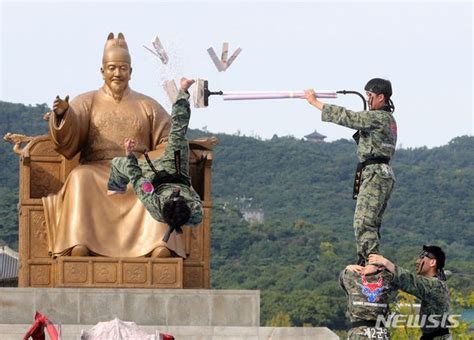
[[394, 320]]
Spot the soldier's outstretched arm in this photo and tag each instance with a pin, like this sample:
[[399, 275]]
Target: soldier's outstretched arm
[[379, 260], [410, 283], [363, 120], [403, 279]]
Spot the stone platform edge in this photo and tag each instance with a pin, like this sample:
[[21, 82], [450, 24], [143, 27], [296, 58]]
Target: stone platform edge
[[167, 307]]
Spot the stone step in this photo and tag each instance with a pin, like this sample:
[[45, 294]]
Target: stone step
[[72, 332], [169, 307]]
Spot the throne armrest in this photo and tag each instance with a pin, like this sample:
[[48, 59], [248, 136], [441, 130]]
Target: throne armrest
[[42, 170]]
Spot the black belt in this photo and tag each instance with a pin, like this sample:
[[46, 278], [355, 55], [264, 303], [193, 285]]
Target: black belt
[[432, 335], [360, 168], [363, 323], [162, 176]]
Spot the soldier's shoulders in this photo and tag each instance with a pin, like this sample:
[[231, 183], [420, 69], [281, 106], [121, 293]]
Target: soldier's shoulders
[[350, 279], [385, 114], [436, 282], [433, 283], [345, 273]]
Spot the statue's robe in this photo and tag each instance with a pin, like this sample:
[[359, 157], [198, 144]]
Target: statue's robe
[[81, 212]]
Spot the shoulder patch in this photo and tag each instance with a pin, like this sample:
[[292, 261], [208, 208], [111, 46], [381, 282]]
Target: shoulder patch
[[393, 128]]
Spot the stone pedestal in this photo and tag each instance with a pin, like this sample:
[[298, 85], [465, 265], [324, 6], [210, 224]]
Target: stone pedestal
[[119, 272], [167, 307]]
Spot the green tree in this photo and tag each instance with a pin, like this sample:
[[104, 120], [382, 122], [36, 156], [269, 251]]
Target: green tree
[[279, 320]]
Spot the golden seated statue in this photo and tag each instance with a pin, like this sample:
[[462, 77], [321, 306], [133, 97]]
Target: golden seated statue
[[43, 171]]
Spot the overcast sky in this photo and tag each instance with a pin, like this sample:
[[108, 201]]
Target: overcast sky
[[424, 48]]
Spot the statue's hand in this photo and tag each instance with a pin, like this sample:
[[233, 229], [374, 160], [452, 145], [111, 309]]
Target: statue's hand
[[186, 83], [129, 144], [60, 106]]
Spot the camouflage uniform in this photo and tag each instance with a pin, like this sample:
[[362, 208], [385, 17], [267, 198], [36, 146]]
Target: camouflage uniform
[[432, 292], [378, 137], [368, 297], [138, 173]]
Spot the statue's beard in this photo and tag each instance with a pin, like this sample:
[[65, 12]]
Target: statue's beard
[[117, 89]]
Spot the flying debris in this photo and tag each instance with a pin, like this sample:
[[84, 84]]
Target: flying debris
[[158, 50], [223, 63], [215, 59], [171, 90]]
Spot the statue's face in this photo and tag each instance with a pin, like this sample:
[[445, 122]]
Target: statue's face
[[116, 75]]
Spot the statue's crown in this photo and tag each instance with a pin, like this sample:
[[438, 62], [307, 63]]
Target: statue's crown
[[116, 49]]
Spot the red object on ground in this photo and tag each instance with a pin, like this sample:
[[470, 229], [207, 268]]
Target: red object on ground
[[36, 331], [164, 336]]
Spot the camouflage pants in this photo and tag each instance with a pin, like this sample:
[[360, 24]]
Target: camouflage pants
[[372, 200], [368, 333]]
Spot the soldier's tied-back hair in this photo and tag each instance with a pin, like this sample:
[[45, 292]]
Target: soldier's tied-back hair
[[381, 86], [176, 212]]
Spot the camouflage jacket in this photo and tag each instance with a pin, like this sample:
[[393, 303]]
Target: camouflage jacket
[[378, 129], [368, 296], [432, 292], [157, 199]]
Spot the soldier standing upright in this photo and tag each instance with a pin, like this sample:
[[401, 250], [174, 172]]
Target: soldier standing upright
[[376, 138]]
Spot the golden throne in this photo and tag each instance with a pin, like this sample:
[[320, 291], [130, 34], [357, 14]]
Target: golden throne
[[43, 171]]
